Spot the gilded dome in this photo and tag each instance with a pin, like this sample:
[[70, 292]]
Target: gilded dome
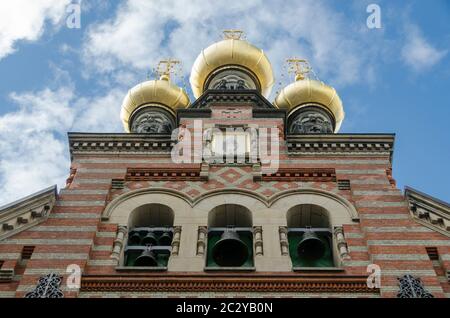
[[305, 92], [157, 93], [228, 53]]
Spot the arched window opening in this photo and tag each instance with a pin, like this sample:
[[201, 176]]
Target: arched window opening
[[150, 236], [230, 237], [310, 237]]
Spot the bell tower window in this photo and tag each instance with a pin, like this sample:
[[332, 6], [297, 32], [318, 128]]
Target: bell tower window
[[309, 236], [150, 236], [230, 238]]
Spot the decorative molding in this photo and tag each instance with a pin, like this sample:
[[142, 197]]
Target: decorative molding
[[411, 287], [86, 143], [158, 174], [258, 240], [144, 144], [202, 235], [381, 144], [47, 287], [194, 201], [301, 174], [429, 211], [27, 212], [233, 282], [284, 242]]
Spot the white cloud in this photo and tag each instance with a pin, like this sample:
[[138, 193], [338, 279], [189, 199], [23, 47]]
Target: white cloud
[[142, 32], [417, 52], [33, 145], [25, 20]]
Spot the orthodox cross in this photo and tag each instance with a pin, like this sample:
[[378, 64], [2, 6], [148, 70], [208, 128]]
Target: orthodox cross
[[167, 67], [299, 67]]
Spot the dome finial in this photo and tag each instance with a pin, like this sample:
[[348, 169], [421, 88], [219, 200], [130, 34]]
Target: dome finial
[[150, 106], [233, 34], [166, 67], [299, 67]]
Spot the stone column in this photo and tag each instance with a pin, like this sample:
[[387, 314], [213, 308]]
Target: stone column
[[341, 243], [284, 244], [176, 240], [257, 232], [201, 240], [119, 242]]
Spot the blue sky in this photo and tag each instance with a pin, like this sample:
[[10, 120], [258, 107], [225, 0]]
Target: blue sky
[[55, 79]]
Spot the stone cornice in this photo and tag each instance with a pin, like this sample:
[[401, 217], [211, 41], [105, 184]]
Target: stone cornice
[[220, 282], [142, 144], [429, 211], [27, 212], [114, 143], [336, 144]]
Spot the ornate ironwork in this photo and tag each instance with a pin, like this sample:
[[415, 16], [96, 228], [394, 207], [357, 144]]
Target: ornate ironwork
[[411, 287], [47, 287]]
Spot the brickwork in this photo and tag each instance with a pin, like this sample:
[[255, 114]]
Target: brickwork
[[74, 232]]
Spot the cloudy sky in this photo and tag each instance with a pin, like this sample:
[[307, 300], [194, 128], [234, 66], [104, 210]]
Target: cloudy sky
[[54, 78]]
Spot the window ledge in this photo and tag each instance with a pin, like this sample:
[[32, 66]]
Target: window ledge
[[229, 269], [141, 269], [318, 269]]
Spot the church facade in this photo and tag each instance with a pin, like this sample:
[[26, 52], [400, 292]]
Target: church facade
[[228, 195]]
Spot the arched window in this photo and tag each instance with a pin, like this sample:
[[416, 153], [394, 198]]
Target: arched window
[[150, 236], [310, 237], [230, 237]]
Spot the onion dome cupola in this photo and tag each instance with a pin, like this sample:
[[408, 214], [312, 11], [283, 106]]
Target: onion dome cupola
[[313, 107], [150, 107], [232, 63]]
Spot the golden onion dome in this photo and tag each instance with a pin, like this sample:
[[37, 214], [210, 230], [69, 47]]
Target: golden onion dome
[[156, 93], [228, 53], [305, 92]]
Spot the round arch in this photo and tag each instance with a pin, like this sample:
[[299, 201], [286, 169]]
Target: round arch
[[119, 210], [341, 211]]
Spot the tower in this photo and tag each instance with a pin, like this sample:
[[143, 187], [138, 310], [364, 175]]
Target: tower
[[228, 194]]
